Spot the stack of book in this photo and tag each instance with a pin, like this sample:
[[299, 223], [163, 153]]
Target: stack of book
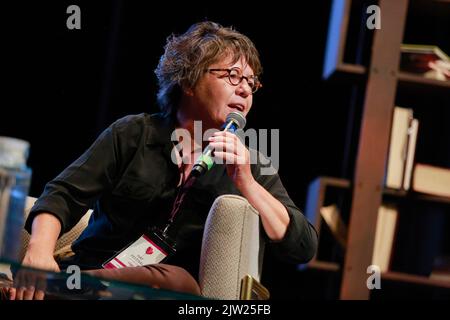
[[426, 60], [402, 173], [402, 149]]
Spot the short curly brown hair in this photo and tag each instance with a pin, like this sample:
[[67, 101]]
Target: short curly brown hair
[[187, 56]]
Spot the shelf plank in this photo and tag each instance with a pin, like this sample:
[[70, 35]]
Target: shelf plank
[[345, 184], [347, 73], [389, 276], [415, 195], [335, 182], [351, 72], [355, 69], [406, 78], [324, 265], [411, 278]]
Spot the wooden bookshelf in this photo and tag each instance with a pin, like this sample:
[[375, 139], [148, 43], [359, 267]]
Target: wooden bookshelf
[[316, 199], [380, 86]]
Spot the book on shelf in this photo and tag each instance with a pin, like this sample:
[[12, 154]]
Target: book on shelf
[[333, 220], [385, 236], [431, 180], [410, 153], [426, 60], [402, 147]]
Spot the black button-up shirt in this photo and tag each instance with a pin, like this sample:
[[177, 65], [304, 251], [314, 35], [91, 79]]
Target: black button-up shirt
[[129, 180]]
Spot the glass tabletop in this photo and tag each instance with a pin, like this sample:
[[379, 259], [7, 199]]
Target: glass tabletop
[[75, 285]]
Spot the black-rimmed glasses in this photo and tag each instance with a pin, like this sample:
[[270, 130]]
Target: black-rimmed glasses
[[235, 78]]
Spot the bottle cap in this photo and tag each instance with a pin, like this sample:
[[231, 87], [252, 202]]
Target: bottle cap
[[13, 152]]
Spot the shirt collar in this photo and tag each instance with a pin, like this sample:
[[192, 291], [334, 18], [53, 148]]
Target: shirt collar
[[160, 130]]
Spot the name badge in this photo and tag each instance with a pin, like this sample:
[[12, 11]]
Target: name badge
[[142, 252]]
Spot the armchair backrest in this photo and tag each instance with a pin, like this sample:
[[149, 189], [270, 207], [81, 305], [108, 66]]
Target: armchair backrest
[[232, 247]]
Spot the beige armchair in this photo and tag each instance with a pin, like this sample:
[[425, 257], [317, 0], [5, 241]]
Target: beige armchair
[[231, 249]]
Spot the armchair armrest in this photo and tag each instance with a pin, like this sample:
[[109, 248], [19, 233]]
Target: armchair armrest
[[64, 242]]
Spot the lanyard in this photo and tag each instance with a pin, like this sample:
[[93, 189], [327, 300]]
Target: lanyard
[[186, 184]]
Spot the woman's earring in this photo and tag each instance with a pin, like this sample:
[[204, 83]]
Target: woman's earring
[[188, 92]]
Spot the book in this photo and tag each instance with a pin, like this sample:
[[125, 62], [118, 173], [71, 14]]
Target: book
[[427, 60], [398, 147], [431, 180], [410, 153], [332, 218], [385, 236]]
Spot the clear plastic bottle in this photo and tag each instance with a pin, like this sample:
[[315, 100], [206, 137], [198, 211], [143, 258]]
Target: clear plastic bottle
[[15, 179]]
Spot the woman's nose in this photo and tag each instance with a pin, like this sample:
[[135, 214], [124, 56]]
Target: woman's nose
[[243, 89]]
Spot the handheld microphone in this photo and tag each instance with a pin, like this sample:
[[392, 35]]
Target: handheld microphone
[[235, 120]]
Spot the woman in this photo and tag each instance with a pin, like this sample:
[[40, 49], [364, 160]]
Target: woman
[[128, 177]]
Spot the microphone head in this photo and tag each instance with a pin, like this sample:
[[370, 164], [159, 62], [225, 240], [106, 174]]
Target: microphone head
[[238, 118]]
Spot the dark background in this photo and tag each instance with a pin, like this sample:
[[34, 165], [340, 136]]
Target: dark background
[[74, 83], [65, 86]]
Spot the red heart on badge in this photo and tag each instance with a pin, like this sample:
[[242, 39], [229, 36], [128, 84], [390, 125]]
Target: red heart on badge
[[149, 250]]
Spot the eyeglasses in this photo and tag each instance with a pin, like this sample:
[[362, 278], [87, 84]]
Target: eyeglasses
[[236, 78]]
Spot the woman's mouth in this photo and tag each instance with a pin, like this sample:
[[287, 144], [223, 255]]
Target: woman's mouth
[[237, 106]]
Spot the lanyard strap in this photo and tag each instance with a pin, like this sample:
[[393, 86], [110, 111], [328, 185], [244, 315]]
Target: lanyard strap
[[186, 184]]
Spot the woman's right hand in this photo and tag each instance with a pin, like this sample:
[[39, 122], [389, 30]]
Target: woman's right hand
[[30, 284]]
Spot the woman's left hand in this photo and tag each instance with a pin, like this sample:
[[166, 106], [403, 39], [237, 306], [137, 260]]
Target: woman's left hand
[[229, 149]]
